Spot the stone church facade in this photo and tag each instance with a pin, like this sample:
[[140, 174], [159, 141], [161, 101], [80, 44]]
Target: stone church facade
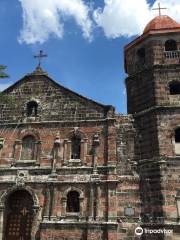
[[74, 169]]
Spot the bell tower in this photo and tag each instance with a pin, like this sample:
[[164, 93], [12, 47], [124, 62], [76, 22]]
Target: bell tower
[[152, 62]]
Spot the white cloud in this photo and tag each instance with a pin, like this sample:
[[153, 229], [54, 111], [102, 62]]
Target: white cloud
[[127, 18], [42, 18]]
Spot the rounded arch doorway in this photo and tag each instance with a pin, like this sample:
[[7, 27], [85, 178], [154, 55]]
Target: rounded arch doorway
[[18, 216]]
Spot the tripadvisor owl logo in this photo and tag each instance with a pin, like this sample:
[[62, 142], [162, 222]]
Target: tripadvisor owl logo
[[139, 231]]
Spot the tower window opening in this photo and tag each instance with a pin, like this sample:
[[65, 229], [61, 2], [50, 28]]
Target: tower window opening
[[177, 135], [76, 147], [73, 203], [141, 53], [174, 88], [32, 109], [170, 45]]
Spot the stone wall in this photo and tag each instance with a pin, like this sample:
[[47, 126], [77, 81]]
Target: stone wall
[[55, 103]]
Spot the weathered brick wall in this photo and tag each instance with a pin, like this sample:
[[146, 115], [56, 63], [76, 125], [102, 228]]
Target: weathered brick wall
[[46, 134], [156, 116], [148, 82], [128, 195], [97, 218], [154, 52], [55, 103], [163, 75], [146, 144], [140, 91], [126, 137]]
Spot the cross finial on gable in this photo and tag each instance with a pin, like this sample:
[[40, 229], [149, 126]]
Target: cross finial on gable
[[159, 8], [40, 56]]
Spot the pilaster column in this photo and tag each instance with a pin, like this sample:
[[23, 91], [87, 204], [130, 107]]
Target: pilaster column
[[85, 149], [82, 151], [17, 150], [54, 202], [1, 221], [91, 205], [96, 144], [95, 161], [54, 161], [112, 202], [65, 152], [97, 201], [47, 204], [63, 202], [56, 152], [178, 207], [38, 152], [81, 205], [51, 201], [68, 150]]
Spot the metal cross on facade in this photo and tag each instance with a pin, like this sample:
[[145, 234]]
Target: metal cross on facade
[[24, 211], [40, 56], [159, 9]]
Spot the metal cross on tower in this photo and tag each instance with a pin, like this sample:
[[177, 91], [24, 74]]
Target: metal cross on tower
[[159, 9], [40, 56]]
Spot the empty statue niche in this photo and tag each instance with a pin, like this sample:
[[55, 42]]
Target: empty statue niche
[[73, 203], [28, 148], [170, 45], [32, 109], [174, 88], [76, 147]]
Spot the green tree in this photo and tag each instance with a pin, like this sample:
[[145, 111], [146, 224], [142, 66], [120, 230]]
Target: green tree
[[2, 73], [4, 98]]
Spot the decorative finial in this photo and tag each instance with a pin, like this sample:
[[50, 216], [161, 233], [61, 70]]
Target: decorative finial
[[40, 56], [159, 8]]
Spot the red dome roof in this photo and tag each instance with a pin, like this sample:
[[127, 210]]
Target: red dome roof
[[161, 23]]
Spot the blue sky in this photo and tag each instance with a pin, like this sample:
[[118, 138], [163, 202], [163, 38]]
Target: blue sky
[[85, 49]]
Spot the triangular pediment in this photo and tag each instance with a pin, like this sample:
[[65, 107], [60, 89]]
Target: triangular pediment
[[55, 102]]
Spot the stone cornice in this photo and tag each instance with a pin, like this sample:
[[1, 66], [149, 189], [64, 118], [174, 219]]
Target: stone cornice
[[156, 108], [64, 123], [63, 223]]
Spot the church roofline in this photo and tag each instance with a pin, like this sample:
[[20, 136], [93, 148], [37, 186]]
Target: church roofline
[[144, 36], [44, 74], [150, 33]]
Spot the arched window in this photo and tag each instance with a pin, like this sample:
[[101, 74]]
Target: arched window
[[177, 141], [32, 109], [170, 45], [76, 147], [141, 53], [174, 88], [28, 148], [73, 203]]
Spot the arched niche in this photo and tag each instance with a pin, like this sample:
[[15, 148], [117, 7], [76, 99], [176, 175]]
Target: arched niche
[[20, 205], [171, 45]]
